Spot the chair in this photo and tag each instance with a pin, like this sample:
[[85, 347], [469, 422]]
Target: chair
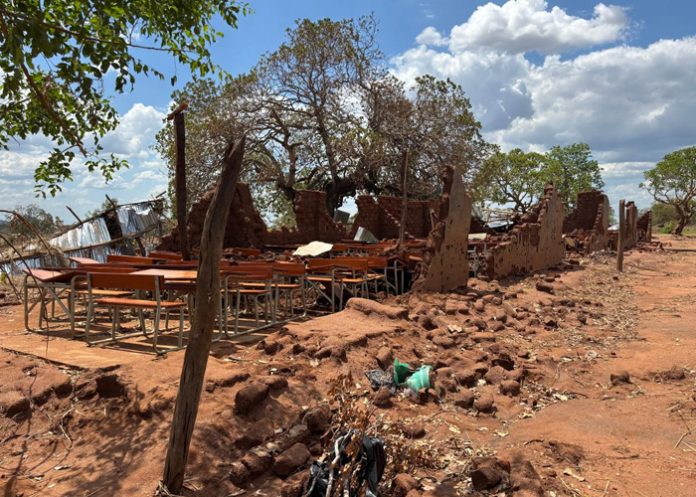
[[288, 278], [322, 278], [79, 287], [53, 286], [248, 282], [134, 283]]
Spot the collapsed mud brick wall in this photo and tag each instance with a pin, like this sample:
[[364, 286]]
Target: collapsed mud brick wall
[[645, 227], [446, 257], [382, 217], [536, 243], [313, 219], [588, 223], [246, 228], [631, 226]]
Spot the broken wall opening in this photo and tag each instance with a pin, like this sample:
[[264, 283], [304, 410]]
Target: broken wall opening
[[587, 226]]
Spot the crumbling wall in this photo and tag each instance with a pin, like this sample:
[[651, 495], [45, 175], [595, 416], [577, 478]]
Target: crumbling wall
[[446, 257], [645, 227], [536, 243], [313, 220], [588, 223], [382, 216], [631, 226], [245, 227]]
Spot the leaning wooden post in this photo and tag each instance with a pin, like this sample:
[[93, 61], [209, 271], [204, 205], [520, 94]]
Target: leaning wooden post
[[180, 178], [404, 199], [207, 300], [621, 235]]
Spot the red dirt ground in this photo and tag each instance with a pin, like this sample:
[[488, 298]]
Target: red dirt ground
[[94, 422]]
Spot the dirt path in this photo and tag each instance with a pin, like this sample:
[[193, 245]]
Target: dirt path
[[628, 433]]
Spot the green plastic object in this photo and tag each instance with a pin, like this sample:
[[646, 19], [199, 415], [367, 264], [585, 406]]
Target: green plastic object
[[401, 371], [419, 379]]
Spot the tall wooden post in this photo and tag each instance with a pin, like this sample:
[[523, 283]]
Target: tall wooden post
[[207, 300], [180, 178], [404, 198], [621, 236]]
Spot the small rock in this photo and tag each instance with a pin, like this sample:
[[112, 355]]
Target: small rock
[[495, 375], [272, 347], [318, 419], [465, 399], [619, 378], [416, 430], [479, 306], [291, 459], [384, 357], [510, 388], [249, 397], [544, 287], [239, 474], [444, 342], [257, 461], [675, 373], [487, 473], [509, 310], [485, 403], [382, 398], [402, 484]]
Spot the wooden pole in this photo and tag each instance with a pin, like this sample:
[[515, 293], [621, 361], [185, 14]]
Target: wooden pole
[[404, 198], [180, 178], [207, 300], [74, 214], [621, 235]]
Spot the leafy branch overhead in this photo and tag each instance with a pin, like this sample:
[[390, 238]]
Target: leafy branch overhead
[[56, 57]]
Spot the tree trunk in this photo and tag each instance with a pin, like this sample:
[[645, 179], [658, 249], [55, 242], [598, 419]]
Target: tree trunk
[[207, 307], [683, 221]]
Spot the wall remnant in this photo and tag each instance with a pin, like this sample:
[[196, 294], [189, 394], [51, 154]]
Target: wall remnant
[[446, 255], [631, 231], [536, 243], [645, 227], [588, 223], [381, 216]]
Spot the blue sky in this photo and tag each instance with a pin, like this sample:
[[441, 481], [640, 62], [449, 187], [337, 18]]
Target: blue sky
[[616, 75]]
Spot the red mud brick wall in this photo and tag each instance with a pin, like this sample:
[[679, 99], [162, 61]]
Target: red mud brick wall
[[446, 256], [313, 220], [536, 243], [645, 227], [589, 221], [382, 217]]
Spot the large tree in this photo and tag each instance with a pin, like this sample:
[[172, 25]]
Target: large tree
[[571, 169], [322, 112], [673, 181], [513, 178], [61, 60]]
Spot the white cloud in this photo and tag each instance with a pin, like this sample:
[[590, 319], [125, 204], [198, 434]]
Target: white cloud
[[135, 132], [132, 140], [632, 104], [431, 36], [528, 25]]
